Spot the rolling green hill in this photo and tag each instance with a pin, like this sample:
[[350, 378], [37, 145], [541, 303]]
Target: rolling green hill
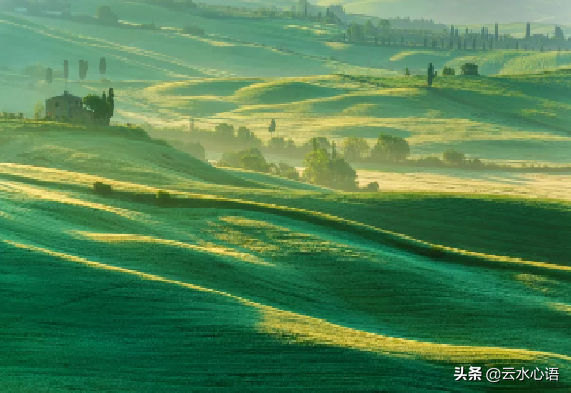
[[253, 284], [241, 281], [505, 117]]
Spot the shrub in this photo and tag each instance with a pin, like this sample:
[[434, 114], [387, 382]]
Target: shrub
[[448, 71], [372, 187], [287, 171], [102, 188], [196, 150], [429, 161], [193, 30], [163, 196], [453, 157], [475, 163]]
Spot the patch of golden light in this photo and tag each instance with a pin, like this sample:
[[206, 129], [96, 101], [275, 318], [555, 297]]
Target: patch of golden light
[[526, 185], [69, 177], [60, 197], [211, 249], [401, 55], [337, 45], [6, 216], [283, 241], [296, 328], [299, 329], [538, 283], [565, 308]]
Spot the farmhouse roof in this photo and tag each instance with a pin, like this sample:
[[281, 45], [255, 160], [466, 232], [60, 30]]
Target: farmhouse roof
[[66, 96]]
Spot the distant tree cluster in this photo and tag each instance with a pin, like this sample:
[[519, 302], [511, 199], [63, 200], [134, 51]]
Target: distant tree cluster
[[448, 71], [252, 159], [102, 106], [329, 170], [193, 30], [105, 15]]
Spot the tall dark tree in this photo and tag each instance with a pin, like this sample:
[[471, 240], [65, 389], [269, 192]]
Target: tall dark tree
[[83, 67], [49, 75], [111, 101], [102, 66], [272, 127], [528, 31], [431, 74], [65, 72], [497, 32]]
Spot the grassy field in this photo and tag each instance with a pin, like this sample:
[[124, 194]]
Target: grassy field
[[244, 281], [281, 287], [504, 118]]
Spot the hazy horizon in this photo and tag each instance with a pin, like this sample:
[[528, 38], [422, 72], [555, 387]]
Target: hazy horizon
[[443, 11]]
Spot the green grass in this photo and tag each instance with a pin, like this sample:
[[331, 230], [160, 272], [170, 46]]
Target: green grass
[[163, 295]]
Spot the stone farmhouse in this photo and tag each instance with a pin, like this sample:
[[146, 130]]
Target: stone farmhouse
[[68, 106]]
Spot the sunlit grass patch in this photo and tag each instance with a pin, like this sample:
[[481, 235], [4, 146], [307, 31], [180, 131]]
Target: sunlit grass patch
[[565, 308], [266, 237], [63, 198], [302, 329], [535, 282], [211, 249]]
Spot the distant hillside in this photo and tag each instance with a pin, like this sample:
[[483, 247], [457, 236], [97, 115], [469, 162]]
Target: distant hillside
[[465, 11]]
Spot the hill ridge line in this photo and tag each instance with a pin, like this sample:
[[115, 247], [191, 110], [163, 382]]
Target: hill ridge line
[[369, 232]]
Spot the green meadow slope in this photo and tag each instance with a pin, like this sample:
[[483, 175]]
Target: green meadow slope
[[247, 72], [258, 284], [512, 118], [231, 47]]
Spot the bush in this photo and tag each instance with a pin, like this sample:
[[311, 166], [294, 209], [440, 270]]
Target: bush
[[429, 161], [196, 150], [102, 188], [372, 187], [250, 159], [453, 157], [287, 171], [448, 71], [163, 196], [193, 30], [474, 163]]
